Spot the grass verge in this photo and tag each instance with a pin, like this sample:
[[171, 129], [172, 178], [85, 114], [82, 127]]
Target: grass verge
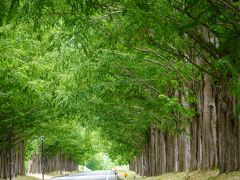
[[195, 175], [64, 173], [25, 178]]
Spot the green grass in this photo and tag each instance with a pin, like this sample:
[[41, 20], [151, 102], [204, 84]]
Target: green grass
[[195, 175]]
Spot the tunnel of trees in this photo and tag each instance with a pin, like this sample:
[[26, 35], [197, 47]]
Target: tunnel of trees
[[155, 84]]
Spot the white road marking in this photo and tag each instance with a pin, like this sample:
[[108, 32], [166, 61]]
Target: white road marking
[[108, 174]]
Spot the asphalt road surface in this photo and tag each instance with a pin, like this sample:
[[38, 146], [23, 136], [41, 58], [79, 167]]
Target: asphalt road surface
[[91, 175]]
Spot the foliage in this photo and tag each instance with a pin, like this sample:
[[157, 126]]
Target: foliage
[[116, 67], [100, 161]]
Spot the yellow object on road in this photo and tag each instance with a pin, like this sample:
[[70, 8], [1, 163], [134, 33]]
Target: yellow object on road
[[125, 174]]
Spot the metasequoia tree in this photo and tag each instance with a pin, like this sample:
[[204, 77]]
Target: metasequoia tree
[[159, 80]]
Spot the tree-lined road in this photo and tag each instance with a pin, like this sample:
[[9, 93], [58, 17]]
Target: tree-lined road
[[92, 175]]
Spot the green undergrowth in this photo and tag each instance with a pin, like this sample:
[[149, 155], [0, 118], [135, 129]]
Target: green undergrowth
[[195, 175]]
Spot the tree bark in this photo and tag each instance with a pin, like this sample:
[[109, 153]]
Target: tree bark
[[229, 130]]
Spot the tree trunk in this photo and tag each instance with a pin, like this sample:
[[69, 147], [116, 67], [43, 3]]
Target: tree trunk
[[16, 161], [55, 163], [229, 130]]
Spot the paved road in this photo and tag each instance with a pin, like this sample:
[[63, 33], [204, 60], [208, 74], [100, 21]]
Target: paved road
[[91, 175]]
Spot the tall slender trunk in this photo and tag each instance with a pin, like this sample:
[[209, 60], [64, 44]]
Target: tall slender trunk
[[16, 161], [229, 130], [54, 163]]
